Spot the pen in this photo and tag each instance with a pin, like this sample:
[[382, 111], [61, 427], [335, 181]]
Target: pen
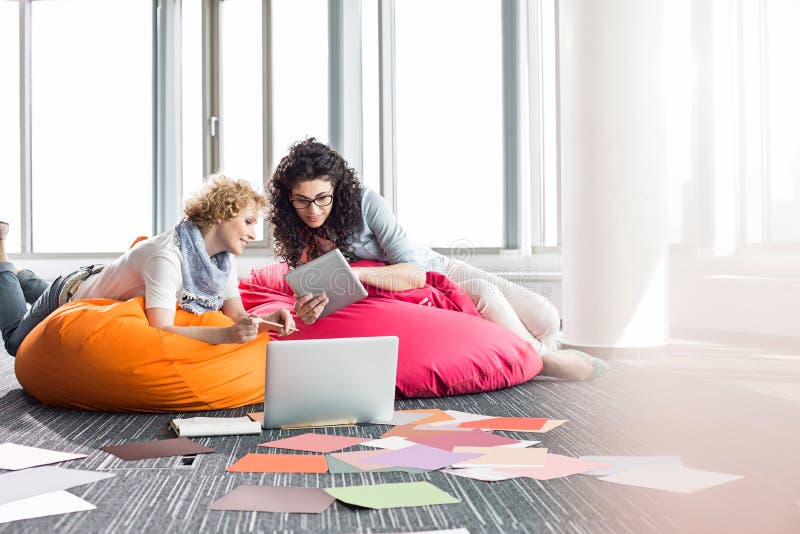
[[260, 320]]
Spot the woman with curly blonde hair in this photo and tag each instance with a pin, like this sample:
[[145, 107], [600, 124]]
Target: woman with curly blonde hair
[[192, 265]]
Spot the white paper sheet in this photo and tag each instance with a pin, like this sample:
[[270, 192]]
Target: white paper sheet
[[623, 463], [670, 478], [14, 456], [53, 503], [485, 474], [16, 485], [392, 443]]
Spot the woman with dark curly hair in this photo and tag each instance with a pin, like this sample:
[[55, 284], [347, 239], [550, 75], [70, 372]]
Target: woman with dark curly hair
[[191, 265], [318, 204]]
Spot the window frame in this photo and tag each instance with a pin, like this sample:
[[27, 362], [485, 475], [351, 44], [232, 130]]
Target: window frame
[[524, 181], [755, 216]]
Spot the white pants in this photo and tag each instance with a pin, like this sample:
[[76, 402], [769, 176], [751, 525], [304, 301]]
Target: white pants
[[521, 310]]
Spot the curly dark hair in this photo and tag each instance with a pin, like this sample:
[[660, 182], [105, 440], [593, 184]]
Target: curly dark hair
[[309, 160]]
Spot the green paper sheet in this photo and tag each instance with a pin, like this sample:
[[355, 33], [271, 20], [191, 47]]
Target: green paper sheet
[[381, 496], [336, 465]]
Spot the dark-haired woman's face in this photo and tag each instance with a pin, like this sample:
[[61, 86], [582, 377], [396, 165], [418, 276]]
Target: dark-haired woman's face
[[313, 200]]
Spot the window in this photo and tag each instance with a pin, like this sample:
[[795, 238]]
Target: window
[[782, 85], [448, 151], [770, 120], [546, 200], [192, 96], [91, 124], [242, 101], [9, 126], [241, 80], [370, 91], [449, 121], [299, 73]]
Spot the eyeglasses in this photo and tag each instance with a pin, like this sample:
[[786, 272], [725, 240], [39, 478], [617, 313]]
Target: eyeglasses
[[303, 203]]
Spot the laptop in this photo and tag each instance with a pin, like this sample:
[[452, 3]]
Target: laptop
[[331, 274], [322, 382]]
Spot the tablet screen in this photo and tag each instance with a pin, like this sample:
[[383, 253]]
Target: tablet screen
[[331, 274]]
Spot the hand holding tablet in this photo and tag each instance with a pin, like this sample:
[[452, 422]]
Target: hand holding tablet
[[323, 286], [308, 308]]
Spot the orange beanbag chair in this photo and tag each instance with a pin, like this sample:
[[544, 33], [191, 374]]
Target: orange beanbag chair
[[103, 355]]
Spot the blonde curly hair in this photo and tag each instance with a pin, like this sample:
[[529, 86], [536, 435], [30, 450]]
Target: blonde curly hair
[[221, 199]]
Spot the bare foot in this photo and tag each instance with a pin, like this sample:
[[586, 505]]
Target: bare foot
[[571, 364]]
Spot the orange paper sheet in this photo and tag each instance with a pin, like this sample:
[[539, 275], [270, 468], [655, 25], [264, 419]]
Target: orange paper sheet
[[280, 463], [256, 416], [521, 424], [550, 425], [436, 416]]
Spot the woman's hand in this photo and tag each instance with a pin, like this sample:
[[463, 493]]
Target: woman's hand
[[308, 307], [243, 330], [283, 317]]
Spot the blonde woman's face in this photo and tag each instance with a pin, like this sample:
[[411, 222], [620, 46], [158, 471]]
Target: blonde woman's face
[[313, 201], [237, 232]]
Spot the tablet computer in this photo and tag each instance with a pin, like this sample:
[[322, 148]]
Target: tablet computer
[[322, 382], [331, 274]]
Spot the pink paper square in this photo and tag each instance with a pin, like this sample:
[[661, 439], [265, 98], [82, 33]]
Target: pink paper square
[[312, 442], [422, 457], [475, 438]]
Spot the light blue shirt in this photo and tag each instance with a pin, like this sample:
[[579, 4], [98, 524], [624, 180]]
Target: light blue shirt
[[383, 239]]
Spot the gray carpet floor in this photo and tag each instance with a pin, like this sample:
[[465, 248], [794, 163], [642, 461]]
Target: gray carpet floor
[[725, 409]]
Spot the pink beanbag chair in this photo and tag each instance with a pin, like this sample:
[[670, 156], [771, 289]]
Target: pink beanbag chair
[[446, 348]]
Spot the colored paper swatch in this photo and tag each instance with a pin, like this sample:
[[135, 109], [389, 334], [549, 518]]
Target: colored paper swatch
[[280, 463], [274, 499], [555, 466], [256, 416], [24, 483], [521, 444], [433, 415], [550, 425], [392, 443], [442, 425], [474, 438], [314, 442], [618, 464], [339, 466], [380, 496], [46, 504], [486, 474], [407, 431], [422, 457], [518, 424], [360, 459], [670, 478], [159, 448], [502, 457], [14, 456], [403, 417], [466, 416]]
